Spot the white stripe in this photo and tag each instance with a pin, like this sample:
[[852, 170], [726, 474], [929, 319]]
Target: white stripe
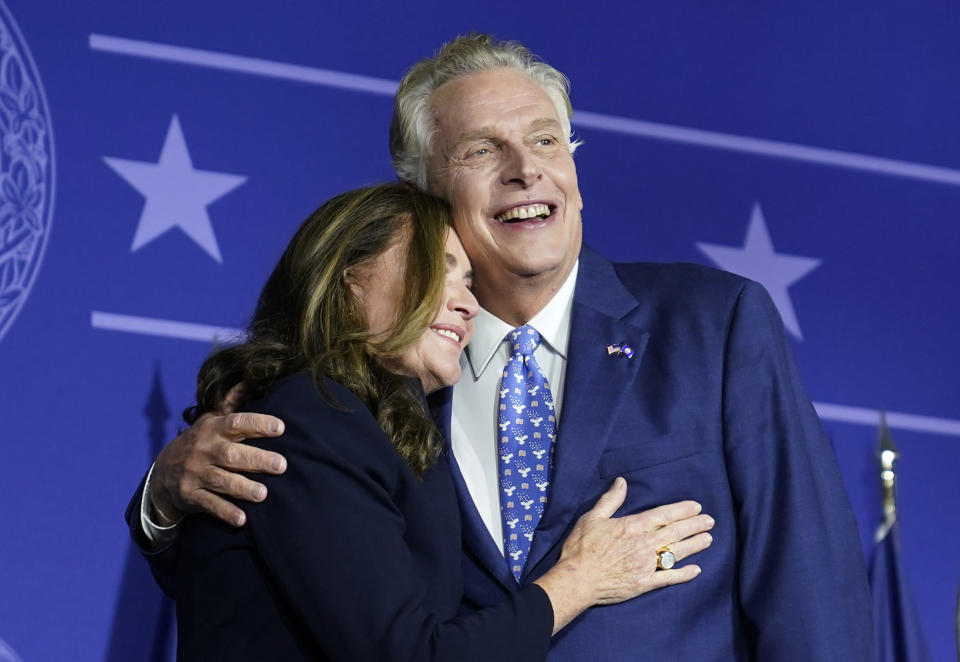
[[242, 64], [152, 326], [762, 147], [913, 422], [583, 118]]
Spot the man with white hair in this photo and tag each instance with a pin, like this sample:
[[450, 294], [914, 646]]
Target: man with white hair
[[676, 377]]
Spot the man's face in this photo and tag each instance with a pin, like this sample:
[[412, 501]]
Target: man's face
[[500, 158]]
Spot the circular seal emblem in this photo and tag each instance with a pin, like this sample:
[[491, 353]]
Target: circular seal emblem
[[26, 171], [7, 654]]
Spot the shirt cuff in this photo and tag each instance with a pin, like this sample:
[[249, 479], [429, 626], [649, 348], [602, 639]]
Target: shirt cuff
[[158, 536]]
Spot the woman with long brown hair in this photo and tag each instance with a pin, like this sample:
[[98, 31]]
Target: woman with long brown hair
[[356, 554]]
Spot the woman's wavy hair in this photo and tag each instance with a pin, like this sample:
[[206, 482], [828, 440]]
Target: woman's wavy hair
[[309, 318]]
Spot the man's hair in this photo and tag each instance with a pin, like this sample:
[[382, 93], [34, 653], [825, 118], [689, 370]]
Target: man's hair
[[309, 318], [412, 128]]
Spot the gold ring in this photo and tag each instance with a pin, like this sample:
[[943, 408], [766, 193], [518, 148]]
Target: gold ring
[[666, 559]]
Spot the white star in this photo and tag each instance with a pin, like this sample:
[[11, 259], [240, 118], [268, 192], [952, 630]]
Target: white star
[[177, 194], [758, 261]]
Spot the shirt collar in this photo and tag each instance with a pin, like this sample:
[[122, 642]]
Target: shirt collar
[[552, 323]]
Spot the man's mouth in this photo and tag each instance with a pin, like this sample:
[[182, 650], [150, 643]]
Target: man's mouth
[[524, 213]]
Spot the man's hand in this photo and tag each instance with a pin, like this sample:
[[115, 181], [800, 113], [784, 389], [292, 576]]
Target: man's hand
[[195, 470]]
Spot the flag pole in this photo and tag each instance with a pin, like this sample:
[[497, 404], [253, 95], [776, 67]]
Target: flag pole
[[898, 630], [888, 480]]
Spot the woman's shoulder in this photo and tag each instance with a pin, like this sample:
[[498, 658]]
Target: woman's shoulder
[[301, 388], [298, 394], [334, 420]]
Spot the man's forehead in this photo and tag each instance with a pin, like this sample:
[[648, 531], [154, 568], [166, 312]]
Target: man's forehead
[[500, 91]]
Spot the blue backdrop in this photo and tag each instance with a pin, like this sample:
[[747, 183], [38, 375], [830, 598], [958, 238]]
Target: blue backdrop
[[158, 156]]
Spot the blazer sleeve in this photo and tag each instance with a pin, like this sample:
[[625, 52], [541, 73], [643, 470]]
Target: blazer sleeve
[[163, 560], [331, 540], [801, 577]]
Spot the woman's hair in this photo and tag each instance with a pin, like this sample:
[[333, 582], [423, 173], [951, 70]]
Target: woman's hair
[[309, 318]]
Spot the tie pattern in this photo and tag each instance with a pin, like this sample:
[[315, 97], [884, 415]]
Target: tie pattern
[[526, 432]]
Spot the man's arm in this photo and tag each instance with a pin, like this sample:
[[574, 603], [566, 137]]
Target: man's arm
[[196, 472], [802, 584], [159, 553]]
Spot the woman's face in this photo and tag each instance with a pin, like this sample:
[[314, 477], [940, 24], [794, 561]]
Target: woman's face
[[435, 358]]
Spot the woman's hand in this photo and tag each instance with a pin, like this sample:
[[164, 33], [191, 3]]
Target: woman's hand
[[606, 560]]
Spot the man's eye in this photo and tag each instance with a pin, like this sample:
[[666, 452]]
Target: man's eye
[[546, 141]]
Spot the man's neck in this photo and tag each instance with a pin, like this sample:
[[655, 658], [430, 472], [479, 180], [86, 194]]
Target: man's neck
[[517, 299]]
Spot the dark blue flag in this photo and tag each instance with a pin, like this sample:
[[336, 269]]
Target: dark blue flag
[[896, 625], [898, 631]]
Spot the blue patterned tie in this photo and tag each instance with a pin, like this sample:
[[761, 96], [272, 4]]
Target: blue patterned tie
[[526, 429]]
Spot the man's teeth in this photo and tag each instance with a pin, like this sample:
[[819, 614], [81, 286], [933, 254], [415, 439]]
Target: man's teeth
[[521, 213], [449, 334]]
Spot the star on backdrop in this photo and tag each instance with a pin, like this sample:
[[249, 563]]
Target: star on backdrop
[[177, 194], [758, 261]]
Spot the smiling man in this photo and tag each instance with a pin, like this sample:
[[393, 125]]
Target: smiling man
[[500, 155], [676, 377]]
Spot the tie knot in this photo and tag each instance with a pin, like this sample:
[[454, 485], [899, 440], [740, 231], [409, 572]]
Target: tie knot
[[523, 340]]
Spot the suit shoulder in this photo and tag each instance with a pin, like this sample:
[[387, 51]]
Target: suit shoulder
[[672, 296], [694, 283]]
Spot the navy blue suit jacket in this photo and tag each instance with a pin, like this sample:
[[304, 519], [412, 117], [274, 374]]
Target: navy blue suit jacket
[[709, 408], [351, 558]]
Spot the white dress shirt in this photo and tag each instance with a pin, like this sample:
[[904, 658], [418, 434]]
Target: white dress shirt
[[159, 536], [476, 396]]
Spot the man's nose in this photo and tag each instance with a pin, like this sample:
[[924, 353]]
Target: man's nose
[[520, 167]]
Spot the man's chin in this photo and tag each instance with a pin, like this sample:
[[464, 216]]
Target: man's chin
[[542, 266]]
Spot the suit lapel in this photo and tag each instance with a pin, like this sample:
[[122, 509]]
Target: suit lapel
[[594, 389], [476, 537]]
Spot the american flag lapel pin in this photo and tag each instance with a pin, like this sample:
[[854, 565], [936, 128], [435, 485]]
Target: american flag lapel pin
[[620, 350]]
